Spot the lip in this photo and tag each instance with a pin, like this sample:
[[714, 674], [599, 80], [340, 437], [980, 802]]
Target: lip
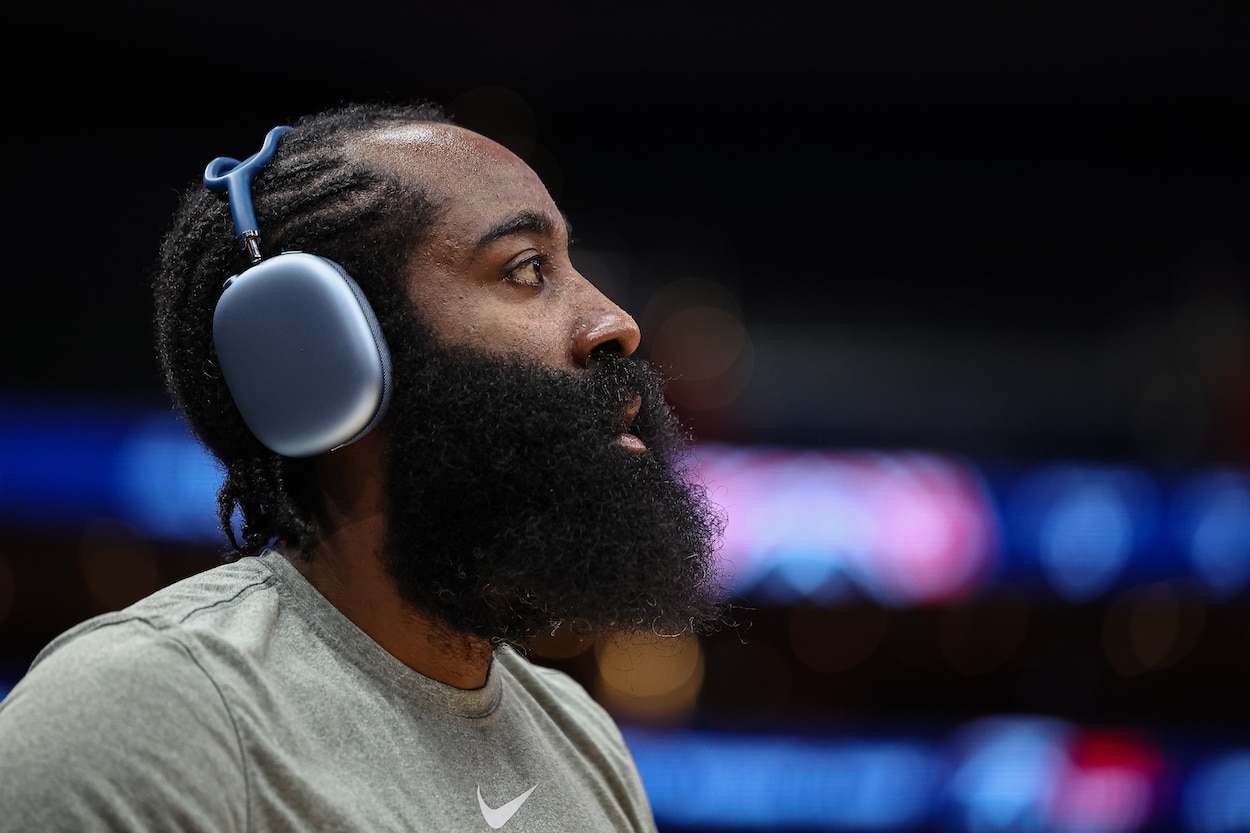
[[627, 439], [631, 443]]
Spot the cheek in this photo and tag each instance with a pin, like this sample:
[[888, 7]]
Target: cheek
[[496, 317], [520, 332], [462, 319], [536, 342], [443, 304]]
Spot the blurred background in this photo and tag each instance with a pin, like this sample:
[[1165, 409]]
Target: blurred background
[[955, 302]]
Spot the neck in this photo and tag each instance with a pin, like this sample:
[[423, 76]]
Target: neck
[[347, 566]]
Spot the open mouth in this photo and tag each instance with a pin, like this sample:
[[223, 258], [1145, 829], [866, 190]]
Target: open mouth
[[627, 439]]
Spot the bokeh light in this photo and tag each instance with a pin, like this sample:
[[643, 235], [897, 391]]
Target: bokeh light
[[1153, 626], [977, 638], [649, 680], [832, 639], [697, 337], [117, 564]]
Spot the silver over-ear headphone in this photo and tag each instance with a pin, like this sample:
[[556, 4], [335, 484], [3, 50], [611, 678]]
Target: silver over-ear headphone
[[298, 344]]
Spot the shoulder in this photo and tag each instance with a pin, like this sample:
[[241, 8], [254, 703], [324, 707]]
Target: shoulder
[[170, 639], [116, 720], [155, 651], [135, 671], [112, 677]]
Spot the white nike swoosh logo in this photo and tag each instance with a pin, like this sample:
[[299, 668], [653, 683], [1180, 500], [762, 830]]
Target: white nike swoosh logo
[[498, 817]]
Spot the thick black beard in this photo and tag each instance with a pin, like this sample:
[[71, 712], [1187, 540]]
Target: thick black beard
[[512, 510]]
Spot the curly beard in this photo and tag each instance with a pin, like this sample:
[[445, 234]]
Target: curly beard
[[513, 509]]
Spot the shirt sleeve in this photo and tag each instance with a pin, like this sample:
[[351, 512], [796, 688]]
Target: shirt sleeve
[[119, 728]]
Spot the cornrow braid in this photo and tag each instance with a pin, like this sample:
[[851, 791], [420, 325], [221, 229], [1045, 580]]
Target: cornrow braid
[[312, 197]]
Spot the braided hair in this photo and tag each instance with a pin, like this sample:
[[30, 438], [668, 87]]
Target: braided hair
[[315, 197]]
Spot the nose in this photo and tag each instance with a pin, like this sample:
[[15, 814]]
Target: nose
[[608, 329]]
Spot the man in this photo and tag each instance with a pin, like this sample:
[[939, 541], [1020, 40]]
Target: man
[[354, 664]]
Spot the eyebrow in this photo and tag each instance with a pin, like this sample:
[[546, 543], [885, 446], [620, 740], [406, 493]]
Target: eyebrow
[[525, 221]]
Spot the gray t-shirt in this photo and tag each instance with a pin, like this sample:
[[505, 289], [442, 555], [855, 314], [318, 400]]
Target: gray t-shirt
[[241, 700]]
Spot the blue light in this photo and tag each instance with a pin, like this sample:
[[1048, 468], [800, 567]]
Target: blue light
[[1004, 772], [1217, 795], [769, 783], [1211, 524], [68, 462], [1087, 526], [1086, 540], [167, 481]]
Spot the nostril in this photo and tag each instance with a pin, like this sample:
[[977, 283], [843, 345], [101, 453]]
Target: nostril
[[611, 347]]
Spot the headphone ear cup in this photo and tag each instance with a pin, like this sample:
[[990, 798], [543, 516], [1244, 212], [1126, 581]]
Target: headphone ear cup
[[302, 354]]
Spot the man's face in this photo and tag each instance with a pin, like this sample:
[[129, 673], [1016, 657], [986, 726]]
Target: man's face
[[533, 470]]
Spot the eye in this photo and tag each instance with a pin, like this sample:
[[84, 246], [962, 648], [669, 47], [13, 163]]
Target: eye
[[529, 271]]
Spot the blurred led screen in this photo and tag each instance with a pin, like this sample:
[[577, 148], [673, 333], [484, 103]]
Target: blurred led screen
[[900, 527]]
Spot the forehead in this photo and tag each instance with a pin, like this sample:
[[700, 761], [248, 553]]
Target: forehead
[[464, 171]]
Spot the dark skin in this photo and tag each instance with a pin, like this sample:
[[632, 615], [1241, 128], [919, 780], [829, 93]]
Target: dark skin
[[494, 273]]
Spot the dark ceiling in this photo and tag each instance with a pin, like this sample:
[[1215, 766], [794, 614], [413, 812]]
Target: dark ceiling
[[972, 226]]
